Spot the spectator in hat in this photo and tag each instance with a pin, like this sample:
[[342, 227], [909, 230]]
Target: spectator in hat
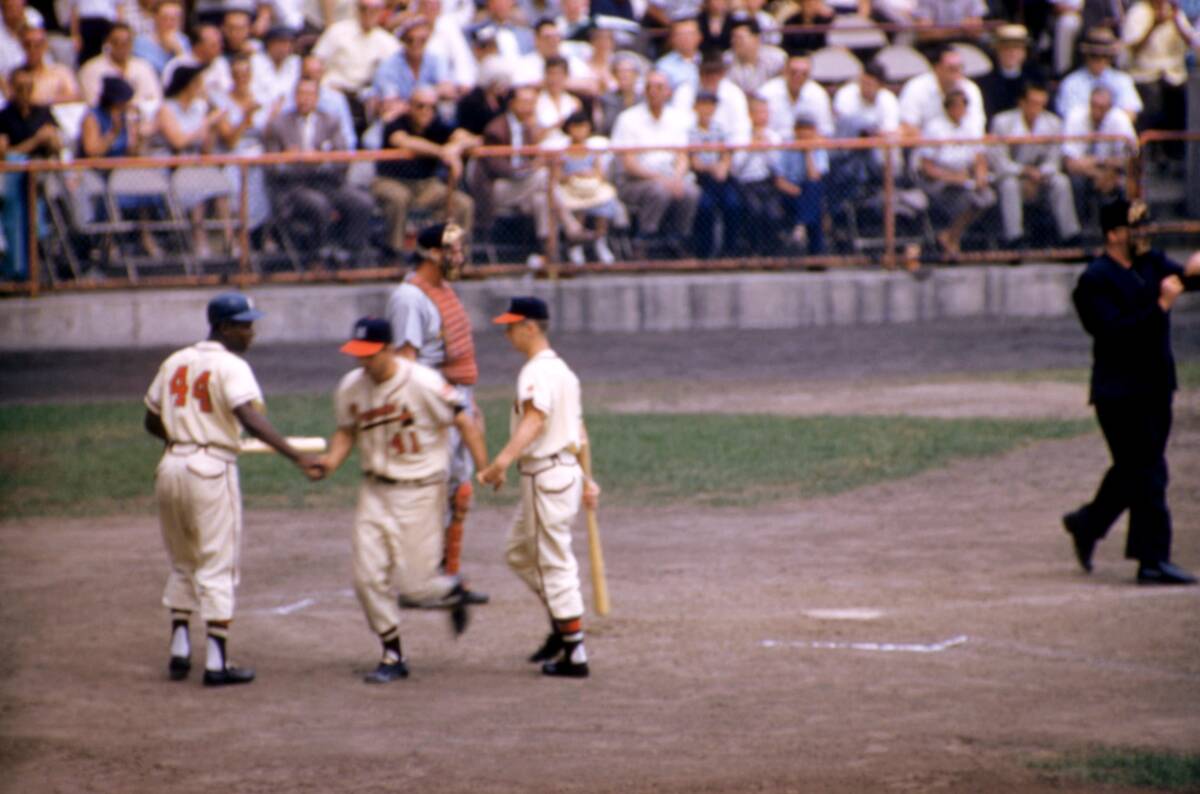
[[1099, 51], [923, 98], [118, 60], [626, 94], [426, 176], [682, 64], [482, 104], [954, 176], [720, 204], [800, 179], [52, 82], [314, 198], [109, 128], [1001, 87], [1031, 173], [656, 185], [794, 92], [276, 70], [187, 125], [411, 66], [167, 40], [206, 53], [802, 42], [1156, 35], [732, 110], [1097, 168], [752, 63], [27, 127]]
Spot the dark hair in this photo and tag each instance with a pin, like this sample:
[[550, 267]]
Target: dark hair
[[875, 69], [578, 117], [556, 60], [953, 94], [1033, 85], [198, 33], [748, 22], [119, 26], [181, 78], [543, 22], [938, 51]]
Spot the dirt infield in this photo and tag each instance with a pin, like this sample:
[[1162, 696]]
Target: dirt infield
[[931, 634]]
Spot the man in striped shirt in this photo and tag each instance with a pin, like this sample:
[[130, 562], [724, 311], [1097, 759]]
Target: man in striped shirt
[[430, 326]]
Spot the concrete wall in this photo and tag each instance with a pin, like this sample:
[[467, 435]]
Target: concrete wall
[[152, 318]]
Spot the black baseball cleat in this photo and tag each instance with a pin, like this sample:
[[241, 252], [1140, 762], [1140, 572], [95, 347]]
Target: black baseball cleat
[[179, 668], [565, 668], [460, 616], [1084, 542], [550, 648], [387, 672], [1163, 573], [228, 676]]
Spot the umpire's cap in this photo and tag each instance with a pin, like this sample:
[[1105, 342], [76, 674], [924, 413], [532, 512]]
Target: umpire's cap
[[523, 308], [370, 335], [232, 307]]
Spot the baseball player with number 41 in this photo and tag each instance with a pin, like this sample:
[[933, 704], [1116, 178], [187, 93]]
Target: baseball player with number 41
[[547, 441]]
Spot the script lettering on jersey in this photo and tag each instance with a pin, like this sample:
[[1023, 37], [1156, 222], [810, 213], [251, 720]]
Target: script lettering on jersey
[[382, 415], [199, 389]]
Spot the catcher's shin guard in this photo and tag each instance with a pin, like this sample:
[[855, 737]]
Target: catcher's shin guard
[[460, 504]]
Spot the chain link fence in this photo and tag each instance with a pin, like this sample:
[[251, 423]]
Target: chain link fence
[[814, 202]]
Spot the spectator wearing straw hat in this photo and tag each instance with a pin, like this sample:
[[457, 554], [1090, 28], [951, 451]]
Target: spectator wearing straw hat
[[1099, 50], [1001, 87]]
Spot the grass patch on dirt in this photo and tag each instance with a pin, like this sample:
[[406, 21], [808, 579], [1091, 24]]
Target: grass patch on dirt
[[1150, 769], [94, 459]]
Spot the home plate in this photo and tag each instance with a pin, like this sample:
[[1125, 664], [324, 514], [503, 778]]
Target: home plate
[[853, 613]]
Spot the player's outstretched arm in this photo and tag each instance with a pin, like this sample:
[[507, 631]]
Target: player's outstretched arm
[[261, 428], [472, 436], [339, 449]]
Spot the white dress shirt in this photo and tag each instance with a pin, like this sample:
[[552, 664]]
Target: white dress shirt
[[813, 100], [921, 101], [636, 126]]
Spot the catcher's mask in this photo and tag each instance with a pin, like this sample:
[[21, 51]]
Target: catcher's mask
[[441, 244], [1139, 218]]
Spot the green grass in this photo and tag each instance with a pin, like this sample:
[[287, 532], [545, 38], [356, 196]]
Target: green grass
[[95, 459], [1128, 767]]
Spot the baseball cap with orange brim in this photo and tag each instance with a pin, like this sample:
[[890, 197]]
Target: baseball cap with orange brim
[[370, 335], [521, 309]]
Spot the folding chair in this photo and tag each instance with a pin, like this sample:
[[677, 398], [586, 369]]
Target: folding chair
[[70, 198], [976, 62], [855, 33], [901, 63], [192, 186], [835, 65], [148, 187]]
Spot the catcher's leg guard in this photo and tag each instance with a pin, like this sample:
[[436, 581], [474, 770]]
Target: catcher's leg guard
[[460, 504]]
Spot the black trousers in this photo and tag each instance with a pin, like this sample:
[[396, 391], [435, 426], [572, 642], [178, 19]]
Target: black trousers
[[1136, 430]]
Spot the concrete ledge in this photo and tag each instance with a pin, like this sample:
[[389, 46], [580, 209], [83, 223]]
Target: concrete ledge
[[154, 318]]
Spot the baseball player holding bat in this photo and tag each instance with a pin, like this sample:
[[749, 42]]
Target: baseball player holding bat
[[200, 399], [431, 327], [399, 413], [547, 438]]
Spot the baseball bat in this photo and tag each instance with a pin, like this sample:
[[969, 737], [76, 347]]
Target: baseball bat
[[595, 553], [298, 443]]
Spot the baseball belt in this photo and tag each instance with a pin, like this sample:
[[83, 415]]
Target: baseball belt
[[531, 467], [415, 483]]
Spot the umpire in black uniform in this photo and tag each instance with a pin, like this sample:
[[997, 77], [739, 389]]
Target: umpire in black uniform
[[1124, 300]]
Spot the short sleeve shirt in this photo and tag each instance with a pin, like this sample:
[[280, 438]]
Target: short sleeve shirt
[[420, 167], [401, 424], [416, 321], [196, 391], [553, 388]]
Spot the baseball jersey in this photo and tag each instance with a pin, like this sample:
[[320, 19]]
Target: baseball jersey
[[197, 389], [549, 383], [401, 424]]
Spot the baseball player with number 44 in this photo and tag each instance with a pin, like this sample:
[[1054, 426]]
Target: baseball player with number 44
[[199, 401], [547, 440]]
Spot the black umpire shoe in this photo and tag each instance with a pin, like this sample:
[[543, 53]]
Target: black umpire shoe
[[1163, 573], [1085, 542], [228, 676], [387, 672], [565, 668], [179, 668], [550, 648], [460, 616]]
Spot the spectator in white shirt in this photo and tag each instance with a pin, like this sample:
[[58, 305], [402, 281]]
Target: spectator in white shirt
[[923, 97], [656, 186], [1097, 168], [752, 63], [449, 43], [793, 93], [754, 173], [118, 60], [554, 102], [530, 68], [1031, 173], [353, 49], [276, 69], [866, 106], [15, 17], [954, 176], [1099, 50], [1156, 34]]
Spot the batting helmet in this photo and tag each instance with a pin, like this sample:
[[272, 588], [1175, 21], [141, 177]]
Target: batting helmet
[[232, 307]]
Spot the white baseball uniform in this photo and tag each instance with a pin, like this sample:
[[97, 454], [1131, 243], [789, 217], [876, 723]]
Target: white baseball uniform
[[199, 499], [539, 543], [401, 428]]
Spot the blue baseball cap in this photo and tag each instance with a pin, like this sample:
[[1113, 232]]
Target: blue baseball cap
[[523, 308], [370, 335], [232, 307]]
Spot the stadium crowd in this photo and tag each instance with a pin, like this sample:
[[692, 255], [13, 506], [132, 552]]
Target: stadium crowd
[[434, 79]]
